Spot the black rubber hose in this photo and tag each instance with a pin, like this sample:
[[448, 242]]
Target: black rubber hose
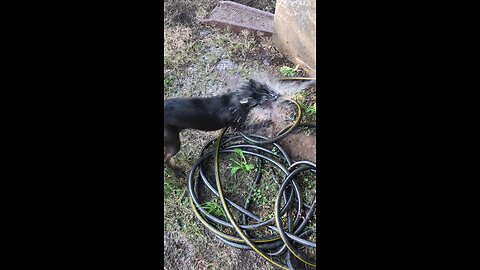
[[289, 239]]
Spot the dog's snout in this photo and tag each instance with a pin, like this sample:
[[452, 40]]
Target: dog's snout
[[273, 95]]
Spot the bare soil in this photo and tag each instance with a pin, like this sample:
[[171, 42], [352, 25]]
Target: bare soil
[[184, 253], [301, 146]]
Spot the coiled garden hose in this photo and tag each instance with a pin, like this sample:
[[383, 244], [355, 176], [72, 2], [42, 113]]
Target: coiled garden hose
[[287, 240]]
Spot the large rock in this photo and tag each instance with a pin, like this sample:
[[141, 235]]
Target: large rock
[[295, 32]]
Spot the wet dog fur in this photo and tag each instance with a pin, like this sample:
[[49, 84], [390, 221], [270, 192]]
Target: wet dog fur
[[209, 114]]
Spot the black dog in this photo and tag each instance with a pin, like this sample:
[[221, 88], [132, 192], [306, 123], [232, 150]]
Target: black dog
[[209, 114]]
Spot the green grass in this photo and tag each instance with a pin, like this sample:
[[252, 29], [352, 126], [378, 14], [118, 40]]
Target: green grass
[[214, 208], [264, 195], [168, 185], [177, 213], [312, 227], [311, 109], [308, 105]]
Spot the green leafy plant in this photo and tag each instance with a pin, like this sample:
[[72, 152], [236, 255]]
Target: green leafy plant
[[243, 165], [288, 71]]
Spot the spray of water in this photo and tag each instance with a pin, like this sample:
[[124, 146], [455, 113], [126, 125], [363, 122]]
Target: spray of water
[[276, 112], [285, 88]]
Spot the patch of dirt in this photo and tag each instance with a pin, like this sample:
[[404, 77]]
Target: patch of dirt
[[182, 252], [183, 12], [301, 147], [180, 12]]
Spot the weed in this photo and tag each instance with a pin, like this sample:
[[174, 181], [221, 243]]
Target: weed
[[275, 151], [242, 165], [288, 71], [264, 195], [168, 186], [312, 227], [259, 197], [168, 81], [311, 109], [214, 208]]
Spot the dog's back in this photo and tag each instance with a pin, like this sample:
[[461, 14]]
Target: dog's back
[[205, 114]]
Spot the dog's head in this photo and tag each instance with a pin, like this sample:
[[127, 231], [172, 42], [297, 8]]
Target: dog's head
[[255, 93]]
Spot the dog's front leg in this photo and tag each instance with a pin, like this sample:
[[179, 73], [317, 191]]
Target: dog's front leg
[[171, 147], [168, 159]]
